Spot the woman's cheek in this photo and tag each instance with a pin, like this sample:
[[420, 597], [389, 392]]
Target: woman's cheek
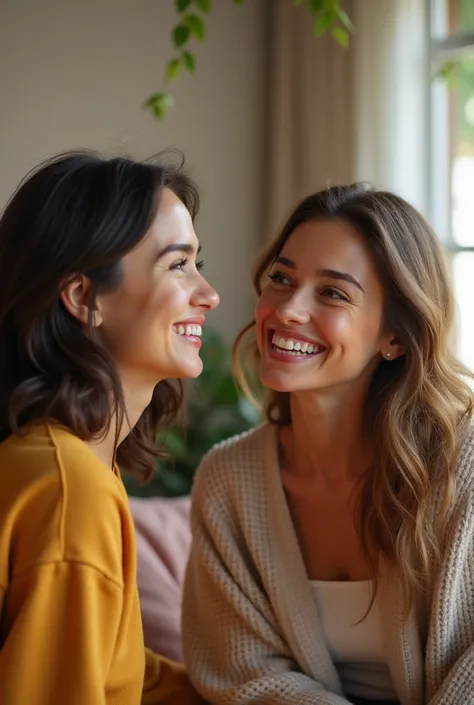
[[262, 311]]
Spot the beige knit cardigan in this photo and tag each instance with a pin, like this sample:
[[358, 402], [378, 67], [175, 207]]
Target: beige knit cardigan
[[250, 624]]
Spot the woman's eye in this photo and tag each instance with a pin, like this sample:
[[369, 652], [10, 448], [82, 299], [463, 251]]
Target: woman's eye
[[183, 262], [334, 294], [179, 265], [278, 278]]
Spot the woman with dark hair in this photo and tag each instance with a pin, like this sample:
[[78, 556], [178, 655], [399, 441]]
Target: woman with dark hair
[[333, 546], [101, 304]]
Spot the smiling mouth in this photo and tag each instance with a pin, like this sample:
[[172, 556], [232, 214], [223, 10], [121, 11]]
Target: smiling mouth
[[288, 347], [189, 332]]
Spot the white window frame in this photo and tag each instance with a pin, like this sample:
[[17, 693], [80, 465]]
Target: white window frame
[[442, 49]]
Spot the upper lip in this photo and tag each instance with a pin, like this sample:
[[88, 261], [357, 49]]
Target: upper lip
[[294, 335], [197, 320]]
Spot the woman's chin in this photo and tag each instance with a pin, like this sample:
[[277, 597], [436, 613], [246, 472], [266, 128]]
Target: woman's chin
[[277, 382], [190, 371]]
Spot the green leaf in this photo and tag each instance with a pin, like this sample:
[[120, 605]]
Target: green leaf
[[180, 35], [175, 445], [172, 69], [159, 104], [341, 36], [189, 61], [195, 26], [447, 69], [448, 72], [204, 5], [316, 6], [182, 5], [322, 24], [297, 3], [345, 19]]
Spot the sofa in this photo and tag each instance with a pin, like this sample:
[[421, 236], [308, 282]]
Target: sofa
[[163, 538]]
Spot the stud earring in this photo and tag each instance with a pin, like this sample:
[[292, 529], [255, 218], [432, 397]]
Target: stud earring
[[388, 355]]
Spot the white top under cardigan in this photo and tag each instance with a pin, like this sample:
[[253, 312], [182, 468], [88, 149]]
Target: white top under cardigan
[[354, 637], [251, 629]]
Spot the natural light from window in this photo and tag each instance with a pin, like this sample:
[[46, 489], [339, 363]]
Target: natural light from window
[[452, 140]]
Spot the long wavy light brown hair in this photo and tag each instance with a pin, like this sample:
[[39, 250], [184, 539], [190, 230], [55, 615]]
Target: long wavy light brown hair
[[78, 213], [416, 405]]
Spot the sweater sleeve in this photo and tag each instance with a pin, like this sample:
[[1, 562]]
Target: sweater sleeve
[[58, 644], [234, 650], [450, 648], [62, 636], [167, 683]]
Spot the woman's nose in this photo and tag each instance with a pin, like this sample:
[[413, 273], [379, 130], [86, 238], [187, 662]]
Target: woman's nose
[[294, 310], [205, 296]]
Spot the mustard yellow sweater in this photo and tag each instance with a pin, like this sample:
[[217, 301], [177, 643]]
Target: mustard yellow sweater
[[70, 625]]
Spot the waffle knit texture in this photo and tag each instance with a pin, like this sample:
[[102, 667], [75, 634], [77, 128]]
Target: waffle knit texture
[[250, 623]]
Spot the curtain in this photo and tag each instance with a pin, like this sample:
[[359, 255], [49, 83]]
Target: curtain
[[337, 115], [310, 108]]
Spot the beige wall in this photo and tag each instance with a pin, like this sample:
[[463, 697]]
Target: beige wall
[[75, 74]]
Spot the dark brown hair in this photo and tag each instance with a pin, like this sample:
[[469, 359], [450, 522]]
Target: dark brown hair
[[418, 404], [77, 213]]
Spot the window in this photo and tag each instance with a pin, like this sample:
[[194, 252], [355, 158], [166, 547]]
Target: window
[[452, 151]]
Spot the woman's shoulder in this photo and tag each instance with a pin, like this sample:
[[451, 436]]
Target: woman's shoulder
[[250, 445], [48, 453], [58, 502], [465, 464], [237, 460]]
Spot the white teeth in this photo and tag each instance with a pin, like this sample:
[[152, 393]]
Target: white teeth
[[293, 346], [188, 330]]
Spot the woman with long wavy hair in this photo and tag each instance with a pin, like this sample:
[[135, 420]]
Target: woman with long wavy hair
[[333, 546], [101, 304]]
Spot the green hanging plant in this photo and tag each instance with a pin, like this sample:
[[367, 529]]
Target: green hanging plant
[[327, 16]]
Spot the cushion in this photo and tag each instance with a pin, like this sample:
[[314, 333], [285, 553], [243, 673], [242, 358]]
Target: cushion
[[163, 538]]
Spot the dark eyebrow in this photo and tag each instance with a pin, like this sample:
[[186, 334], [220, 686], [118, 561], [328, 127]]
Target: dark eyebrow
[[284, 260], [178, 247], [332, 273]]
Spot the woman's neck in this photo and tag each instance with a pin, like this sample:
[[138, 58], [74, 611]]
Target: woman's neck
[[327, 436], [105, 447]]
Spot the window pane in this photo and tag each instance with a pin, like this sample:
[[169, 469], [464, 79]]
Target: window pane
[[452, 17], [452, 150], [463, 275], [461, 108]]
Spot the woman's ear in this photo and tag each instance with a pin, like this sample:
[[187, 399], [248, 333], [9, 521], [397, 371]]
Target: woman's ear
[[392, 348], [76, 294]]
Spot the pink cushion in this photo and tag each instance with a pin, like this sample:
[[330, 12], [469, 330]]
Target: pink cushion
[[163, 542]]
